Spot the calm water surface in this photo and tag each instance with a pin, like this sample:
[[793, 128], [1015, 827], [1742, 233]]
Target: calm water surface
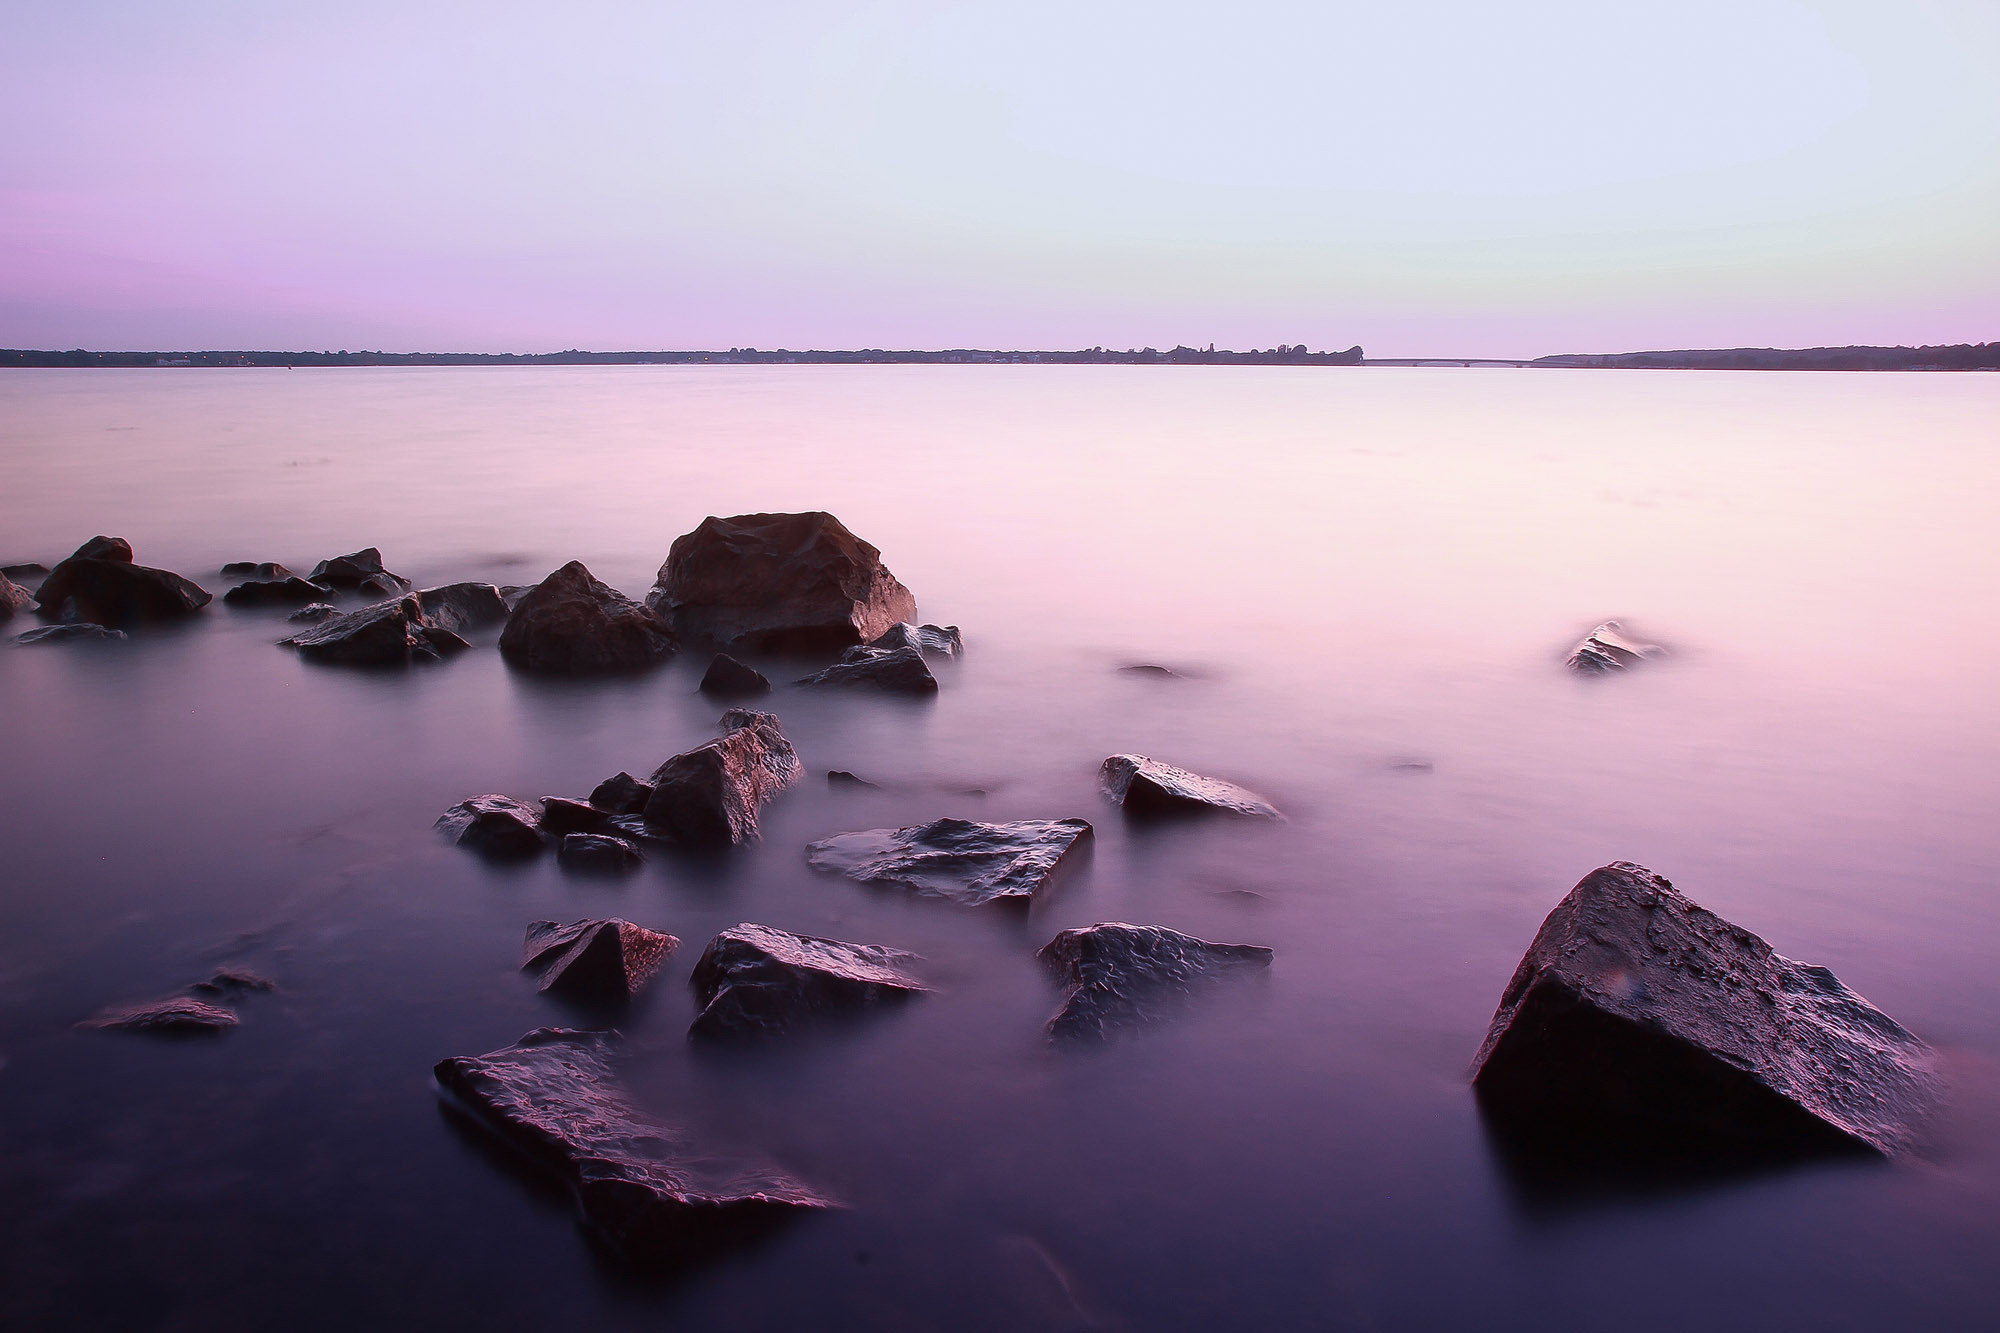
[[1355, 569]]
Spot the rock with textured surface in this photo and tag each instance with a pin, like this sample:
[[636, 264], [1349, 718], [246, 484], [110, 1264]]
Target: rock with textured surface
[[1121, 976], [1148, 787], [100, 583], [621, 795], [896, 670], [570, 624], [729, 677], [597, 853], [957, 859], [288, 591], [255, 569], [757, 981], [1640, 1018], [561, 815], [64, 633], [13, 598], [497, 826], [1609, 648], [386, 634], [638, 1185], [179, 1015], [360, 570], [602, 961], [710, 795], [779, 582], [460, 607], [314, 613], [930, 640]]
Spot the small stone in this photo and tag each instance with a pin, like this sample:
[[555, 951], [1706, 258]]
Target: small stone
[[64, 633], [178, 1015], [1148, 787], [729, 677], [596, 961], [1608, 648], [359, 570], [757, 981], [837, 777], [274, 592], [313, 614], [896, 670], [930, 640], [597, 853], [1121, 976], [621, 795], [497, 826]]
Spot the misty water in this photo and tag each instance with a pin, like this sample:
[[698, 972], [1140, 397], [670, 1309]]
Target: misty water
[[1366, 580]]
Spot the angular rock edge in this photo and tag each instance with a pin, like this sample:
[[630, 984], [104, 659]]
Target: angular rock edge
[[1608, 648], [757, 981], [960, 860], [1148, 787], [605, 961], [1123, 976]]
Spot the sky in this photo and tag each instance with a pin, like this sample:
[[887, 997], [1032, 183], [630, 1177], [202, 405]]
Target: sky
[[1452, 178]]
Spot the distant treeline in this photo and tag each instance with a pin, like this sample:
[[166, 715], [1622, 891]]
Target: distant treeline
[[1959, 356], [1281, 355]]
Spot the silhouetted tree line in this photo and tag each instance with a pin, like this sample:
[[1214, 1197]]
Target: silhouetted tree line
[[1958, 356], [1281, 355]]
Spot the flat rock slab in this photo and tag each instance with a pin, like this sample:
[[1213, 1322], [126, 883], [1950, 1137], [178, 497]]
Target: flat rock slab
[[65, 633], [287, 591], [387, 634], [896, 670], [757, 981], [179, 1015], [1643, 1020], [598, 854], [930, 640], [496, 826], [602, 961], [728, 677], [100, 583], [639, 1186], [709, 796], [1122, 976], [1148, 787], [961, 860], [1609, 648], [570, 624]]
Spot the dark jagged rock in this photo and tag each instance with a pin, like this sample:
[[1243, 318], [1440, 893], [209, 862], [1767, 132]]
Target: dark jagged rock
[[1148, 787], [1639, 1020], [254, 569], [840, 777], [758, 981], [709, 796], [382, 585], [638, 1185], [497, 826], [177, 1015], [13, 598], [930, 640], [621, 795], [386, 634], [779, 582], [1122, 976], [1609, 648], [573, 625], [313, 614], [601, 961], [27, 569], [463, 606], [274, 592], [562, 815], [361, 570], [512, 593], [101, 584], [597, 853], [64, 633], [957, 859], [729, 677], [897, 670], [233, 981]]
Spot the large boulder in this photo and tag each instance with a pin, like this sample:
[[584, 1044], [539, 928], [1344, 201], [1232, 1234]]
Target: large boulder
[[496, 826], [460, 607], [710, 795], [930, 640], [76, 629], [756, 981], [571, 624], [639, 1186], [956, 859], [1640, 1021], [1609, 648], [386, 634], [895, 670], [14, 599], [733, 679], [100, 583], [1148, 787], [360, 571], [287, 591], [779, 582], [1121, 976], [601, 961], [179, 1015]]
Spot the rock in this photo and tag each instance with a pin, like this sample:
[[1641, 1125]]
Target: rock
[[600, 961], [274, 592], [930, 640], [838, 777], [512, 593], [267, 569], [101, 584], [463, 606], [597, 853], [957, 859], [497, 826], [233, 981], [178, 1015], [386, 634], [561, 815], [758, 981], [897, 670], [1607, 648], [312, 615], [63, 633], [1122, 976], [1151, 671], [779, 582], [727, 676], [709, 796], [638, 1186], [621, 795], [29, 569], [13, 598], [573, 625], [1148, 787], [361, 570], [1640, 1020]]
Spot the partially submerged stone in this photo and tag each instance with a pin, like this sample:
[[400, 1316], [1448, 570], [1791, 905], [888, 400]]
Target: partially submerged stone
[[1149, 787], [497, 826], [233, 981], [779, 582], [176, 1015], [64, 633], [461, 607], [386, 634], [840, 777], [1639, 1020], [360, 571], [99, 583], [930, 640], [960, 860], [14, 599], [757, 981], [1609, 648], [288, 591], [896, 670], [561, 815], [597, 853], [728, 677], [639, 1185], [709, 796], [255, 569], [313, 613], [621, 795], [1122, 976], [571, 624], [602, 961]]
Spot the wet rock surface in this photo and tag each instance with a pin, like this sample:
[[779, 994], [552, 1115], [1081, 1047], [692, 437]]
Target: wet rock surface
[[896, 670], [779, 582], [601, 961], [758, 981], [930, 640], [359, 571], [14, 599], [462, 607], [286, 591], [562, 815], [709, 796], [1123, 976], [732, 679], [1639, 1023], [99, 583], [598, 854], [255, 569], [65, 633], [386, 634], [30, 570], [179, 1015], [960, 860], [313, 613], [233, 981], [621, 795], [1610, 648], [571, 624], [496, 826], [1148, 787]]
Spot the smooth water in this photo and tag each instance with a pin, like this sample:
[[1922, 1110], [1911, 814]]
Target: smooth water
[[1360, 572]]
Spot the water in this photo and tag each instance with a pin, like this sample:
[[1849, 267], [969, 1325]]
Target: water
[[1354, 568]]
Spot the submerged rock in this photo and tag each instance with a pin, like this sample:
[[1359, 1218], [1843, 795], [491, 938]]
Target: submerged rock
[[255, 569], [1151, 671], [386, 634], [597, 853], [570, 624], [1122, 976], [621, 795], [710, 795], [314, 613], [1607, 648], [286, 591], [779, 582], [64, 633], [898, 670], [840, 777], [1147, 786], [562, 815], [234, 981], [13, 598], [179, 1014], [931, 640], [100, 583], [602, 961], [956, 859], [1640, 1021], [497, 826], [463, 606], [759, 981], [727, 676], [360, 570], [638, 1185], [29, 569]]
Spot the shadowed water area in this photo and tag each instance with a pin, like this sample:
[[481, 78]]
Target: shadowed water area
[[1363, 582]]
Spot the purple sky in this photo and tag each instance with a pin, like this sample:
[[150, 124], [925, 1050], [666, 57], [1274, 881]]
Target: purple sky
[[1457, 177]]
